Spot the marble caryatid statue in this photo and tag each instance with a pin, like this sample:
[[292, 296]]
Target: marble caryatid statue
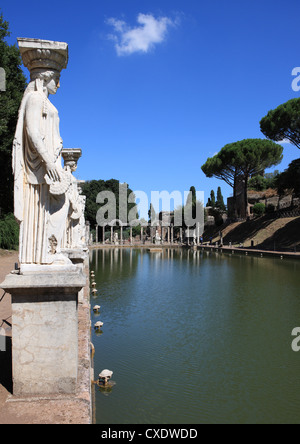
[[116, 239], [41, 184], [157, 237], [74, 237]]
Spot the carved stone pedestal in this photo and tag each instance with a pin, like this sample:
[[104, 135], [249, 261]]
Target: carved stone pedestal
[[44, 331], [80, 258]]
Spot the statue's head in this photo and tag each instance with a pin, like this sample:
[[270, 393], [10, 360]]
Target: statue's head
[[49, 78], [45, 60], [72, 164], [71, 156]]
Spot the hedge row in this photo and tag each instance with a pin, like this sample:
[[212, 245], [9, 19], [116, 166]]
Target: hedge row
[[9, 233]]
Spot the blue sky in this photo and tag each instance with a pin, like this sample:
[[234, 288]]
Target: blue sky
[[155, 87]]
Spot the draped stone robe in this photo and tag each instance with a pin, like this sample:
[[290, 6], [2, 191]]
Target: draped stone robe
[[37, 139]]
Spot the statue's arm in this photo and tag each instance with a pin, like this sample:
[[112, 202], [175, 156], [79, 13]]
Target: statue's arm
[[33, 116]]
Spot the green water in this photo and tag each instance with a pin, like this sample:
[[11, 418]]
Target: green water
[[196, 337]]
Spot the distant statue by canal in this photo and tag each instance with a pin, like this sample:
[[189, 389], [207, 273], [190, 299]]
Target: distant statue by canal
[[157, 238]]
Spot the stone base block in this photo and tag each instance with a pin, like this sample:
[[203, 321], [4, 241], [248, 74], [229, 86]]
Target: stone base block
[[44, 331]]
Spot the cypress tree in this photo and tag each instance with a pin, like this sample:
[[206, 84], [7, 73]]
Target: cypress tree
[[220, 200]]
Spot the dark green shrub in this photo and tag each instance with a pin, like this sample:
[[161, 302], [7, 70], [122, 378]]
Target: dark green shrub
[[9, 233], [259, 209]]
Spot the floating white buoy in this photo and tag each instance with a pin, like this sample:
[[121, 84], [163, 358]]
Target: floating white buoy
[[98, 325], [94, 291], [94, 284], [105, 376], [96, 308]]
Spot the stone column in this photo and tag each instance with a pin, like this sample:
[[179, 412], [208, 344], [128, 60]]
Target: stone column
[[168, 234], [142, 234], [130, 235], [103, 235], [111, 234], [121, 235]]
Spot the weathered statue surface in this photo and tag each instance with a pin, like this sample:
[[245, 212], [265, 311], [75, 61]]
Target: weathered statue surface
[[41, 184], [75, 232]]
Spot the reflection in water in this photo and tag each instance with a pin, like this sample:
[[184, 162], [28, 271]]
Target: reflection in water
[[196, 337]]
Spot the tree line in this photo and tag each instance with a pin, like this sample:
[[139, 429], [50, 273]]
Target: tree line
[[243, 163], [10, 100]]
